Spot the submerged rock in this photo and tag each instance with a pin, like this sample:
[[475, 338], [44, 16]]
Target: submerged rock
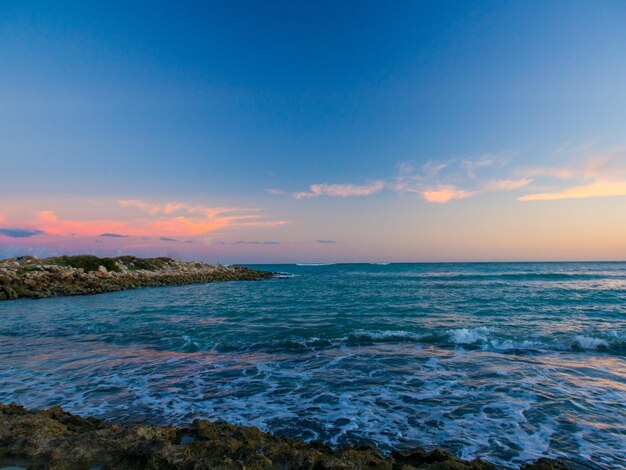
[[77, 275], [54, 439]]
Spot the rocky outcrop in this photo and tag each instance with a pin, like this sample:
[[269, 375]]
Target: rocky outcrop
[[76, 275], [54, 439]]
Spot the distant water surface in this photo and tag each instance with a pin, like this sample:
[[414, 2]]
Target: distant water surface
[[507, 361]]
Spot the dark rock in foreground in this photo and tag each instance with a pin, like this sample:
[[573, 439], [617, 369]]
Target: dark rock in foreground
[[54, 439], [77, 275]]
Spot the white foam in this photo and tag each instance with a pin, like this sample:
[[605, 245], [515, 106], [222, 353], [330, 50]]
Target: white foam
[[284, 275], [387, 334], [507, 344], [469, 335], [314, 264], [589, 342]]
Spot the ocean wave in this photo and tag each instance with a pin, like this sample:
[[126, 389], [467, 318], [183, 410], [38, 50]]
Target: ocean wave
[[468, 335], [589, 342], [611, 341], [480, 338], [384, 336], [519, 276], [315, 264], [284, 275]]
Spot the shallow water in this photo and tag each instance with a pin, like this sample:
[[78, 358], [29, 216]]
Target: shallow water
[[506, 361]]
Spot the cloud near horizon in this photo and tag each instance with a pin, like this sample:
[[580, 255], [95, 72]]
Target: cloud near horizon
[[244, 242], [20, 232], [138, 218], [110, 235]]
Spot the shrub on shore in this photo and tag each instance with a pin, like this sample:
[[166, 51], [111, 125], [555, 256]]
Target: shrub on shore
[[87, 262]]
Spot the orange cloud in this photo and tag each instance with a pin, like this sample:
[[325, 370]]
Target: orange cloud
[[595, 189], [444, 193], [340, 190], [141, 218]]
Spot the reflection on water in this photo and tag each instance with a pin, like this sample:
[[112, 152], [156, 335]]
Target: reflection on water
[[509, 361]]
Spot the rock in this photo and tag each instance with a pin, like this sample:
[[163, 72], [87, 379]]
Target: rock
[[7, 293], [67, 275], [546, 464], [54, 439]]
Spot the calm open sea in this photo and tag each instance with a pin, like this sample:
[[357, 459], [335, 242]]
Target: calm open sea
[[507, 361]]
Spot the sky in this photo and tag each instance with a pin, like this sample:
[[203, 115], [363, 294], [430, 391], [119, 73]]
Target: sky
[[292, 131]]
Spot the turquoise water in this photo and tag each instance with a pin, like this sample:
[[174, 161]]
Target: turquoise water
[[508, 361]]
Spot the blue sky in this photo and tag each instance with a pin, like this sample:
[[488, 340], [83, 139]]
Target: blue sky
[[390, 111]]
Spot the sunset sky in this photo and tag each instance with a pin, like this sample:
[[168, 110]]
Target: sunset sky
[[314, 131]]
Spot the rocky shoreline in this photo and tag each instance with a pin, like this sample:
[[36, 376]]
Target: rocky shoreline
[[55, 439], [35, 278]]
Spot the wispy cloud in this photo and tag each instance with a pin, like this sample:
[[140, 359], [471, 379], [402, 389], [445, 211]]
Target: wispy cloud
[[506, 184], [139, 218], [602, 174], [326, 241], [595, 189], [435, 181], [112, 235], [20, 232], [340, 190], [167, 239], [473, 166], [445, 181], [584, 172], [276, 191]]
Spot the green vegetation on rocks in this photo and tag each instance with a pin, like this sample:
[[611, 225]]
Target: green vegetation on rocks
[[85, 262]]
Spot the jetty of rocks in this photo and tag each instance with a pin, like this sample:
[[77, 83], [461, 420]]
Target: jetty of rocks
[[35, 278]]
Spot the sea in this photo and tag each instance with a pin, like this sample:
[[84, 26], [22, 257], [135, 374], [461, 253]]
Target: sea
[[506, 361]]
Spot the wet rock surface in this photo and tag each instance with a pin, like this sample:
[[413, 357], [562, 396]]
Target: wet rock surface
[[54, 439], [35, 278]]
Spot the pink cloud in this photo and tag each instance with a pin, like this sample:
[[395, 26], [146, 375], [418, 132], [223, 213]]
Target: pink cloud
[[138, 218], [340, 190], [445, 193]]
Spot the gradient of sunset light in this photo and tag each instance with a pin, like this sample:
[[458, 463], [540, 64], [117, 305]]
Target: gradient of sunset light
[[314, 133]]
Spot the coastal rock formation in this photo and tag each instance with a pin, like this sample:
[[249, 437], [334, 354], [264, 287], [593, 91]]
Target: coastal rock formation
[[55, 439], [30, 277]]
